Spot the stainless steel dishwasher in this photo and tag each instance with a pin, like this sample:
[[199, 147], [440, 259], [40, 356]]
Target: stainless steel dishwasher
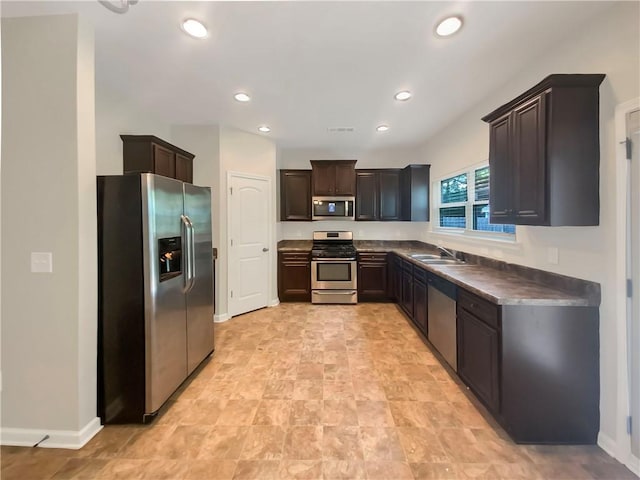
[[442, 317]]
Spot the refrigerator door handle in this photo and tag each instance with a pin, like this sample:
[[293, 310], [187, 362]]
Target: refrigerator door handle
[[192, 254], [186, 247]]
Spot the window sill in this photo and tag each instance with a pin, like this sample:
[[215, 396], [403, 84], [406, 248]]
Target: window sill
[[504, 241]]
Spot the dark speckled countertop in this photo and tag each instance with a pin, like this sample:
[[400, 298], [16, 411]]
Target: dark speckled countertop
[[498, 282]]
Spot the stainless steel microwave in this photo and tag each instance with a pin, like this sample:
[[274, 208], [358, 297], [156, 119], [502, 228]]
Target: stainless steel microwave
[[333, 208]]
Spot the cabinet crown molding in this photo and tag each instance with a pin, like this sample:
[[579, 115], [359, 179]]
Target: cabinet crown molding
[[555, 80], [156, 140]]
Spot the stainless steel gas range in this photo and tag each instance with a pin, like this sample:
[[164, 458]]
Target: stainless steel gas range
[[334, 271]]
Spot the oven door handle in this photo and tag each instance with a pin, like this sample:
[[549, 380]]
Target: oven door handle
[[330, 292], [343, 260]]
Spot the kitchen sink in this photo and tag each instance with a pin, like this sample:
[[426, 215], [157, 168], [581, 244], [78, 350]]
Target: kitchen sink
[[425, 256], [431, 259], [441, 261]]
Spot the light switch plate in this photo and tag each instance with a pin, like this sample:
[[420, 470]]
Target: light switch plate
[[552, 255], [41, 262]]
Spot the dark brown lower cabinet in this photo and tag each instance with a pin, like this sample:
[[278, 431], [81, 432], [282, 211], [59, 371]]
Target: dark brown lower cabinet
[[407, 288], [535, 367], [420, 299], [372, 277], [478, 350], [294, 276], [396, 278]]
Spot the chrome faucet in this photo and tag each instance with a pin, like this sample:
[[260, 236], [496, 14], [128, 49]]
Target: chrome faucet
[[446, 253]]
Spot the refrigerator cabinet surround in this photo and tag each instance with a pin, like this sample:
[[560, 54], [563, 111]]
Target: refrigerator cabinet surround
[[155, 301]]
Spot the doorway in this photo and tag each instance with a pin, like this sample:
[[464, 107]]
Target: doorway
[[633, 274], [249, 221]]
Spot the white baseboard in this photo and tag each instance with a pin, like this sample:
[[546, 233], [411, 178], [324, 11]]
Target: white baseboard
[[222, 317], [608, 445], [28, 437], [634, 465], [274, 303]]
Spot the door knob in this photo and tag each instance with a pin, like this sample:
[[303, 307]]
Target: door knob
[[265, 249]]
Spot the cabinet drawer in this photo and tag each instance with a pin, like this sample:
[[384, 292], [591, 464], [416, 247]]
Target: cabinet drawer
[[375, 257], [407, 266], [486, 311], [419, 275], [292, 256]]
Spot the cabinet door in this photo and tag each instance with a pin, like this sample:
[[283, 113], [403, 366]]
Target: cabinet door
[[529, 167], [294, 277], [366, 196], [345, 179], [184, 168], [372, 281], [500, 171], [389, 195], [420, 305], [396, 278], [295, 195], [478, 349], [164, 162], [407, 292], [324, 176]]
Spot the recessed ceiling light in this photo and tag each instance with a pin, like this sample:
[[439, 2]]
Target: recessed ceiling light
[[382, 128], [264, 129], [403, 95], [449, 26], [194, 28], [242, 97]]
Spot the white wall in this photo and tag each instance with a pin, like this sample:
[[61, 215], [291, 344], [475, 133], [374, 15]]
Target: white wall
[[245, 153], [48, 205], [380, 158], [611, 46], [117, 115]]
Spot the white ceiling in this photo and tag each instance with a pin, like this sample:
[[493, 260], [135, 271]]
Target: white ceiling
[[313, 65]]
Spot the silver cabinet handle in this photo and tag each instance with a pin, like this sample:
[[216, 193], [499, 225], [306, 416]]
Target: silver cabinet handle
[[265, 249]]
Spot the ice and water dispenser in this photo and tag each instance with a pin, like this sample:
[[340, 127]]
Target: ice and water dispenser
[[169, 257]]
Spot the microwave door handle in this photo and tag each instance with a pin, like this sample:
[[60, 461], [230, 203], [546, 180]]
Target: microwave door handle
[[346, 208]]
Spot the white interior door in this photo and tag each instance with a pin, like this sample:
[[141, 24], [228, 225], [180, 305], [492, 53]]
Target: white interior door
[[633, 273], [249, 242]]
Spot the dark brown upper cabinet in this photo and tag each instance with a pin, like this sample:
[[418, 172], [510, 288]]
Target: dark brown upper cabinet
[[378, 194], [333, 177], [544, 154], [295, 195], [414, 188], [150, 154]]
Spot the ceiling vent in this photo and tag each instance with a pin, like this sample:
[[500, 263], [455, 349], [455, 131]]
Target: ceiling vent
[[340, 129]]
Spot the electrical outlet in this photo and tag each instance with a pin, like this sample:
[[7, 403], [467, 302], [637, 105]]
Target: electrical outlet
[[552, 255], [41, 262]]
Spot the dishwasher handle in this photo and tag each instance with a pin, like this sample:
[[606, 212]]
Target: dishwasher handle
[[444, 286]]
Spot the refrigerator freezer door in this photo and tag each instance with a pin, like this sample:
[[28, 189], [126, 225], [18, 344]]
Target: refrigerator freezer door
[[165, 317], [197, 208]]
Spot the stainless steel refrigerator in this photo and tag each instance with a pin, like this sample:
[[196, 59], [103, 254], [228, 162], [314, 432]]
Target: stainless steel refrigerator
[[155, 321]]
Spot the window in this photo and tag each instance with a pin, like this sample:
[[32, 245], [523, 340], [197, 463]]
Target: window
[[464, 204]]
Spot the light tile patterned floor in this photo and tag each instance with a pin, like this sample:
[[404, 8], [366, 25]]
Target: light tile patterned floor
[[312, 392]]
